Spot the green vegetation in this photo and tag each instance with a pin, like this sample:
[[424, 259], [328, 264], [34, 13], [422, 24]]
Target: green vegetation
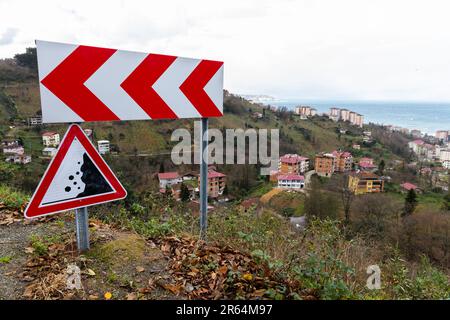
[[328, 260], [5, 259], [40, 244], [12, 199]]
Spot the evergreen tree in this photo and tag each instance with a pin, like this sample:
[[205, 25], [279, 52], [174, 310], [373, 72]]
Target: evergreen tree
[[410, 203], [381, 166], [185, 195]]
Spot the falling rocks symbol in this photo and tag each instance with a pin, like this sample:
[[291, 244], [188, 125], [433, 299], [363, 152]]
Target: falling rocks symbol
[[93, 179]]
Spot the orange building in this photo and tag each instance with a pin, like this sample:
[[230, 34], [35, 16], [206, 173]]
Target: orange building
[[216, 183], [344, 161], [293, 163], [324, 164]]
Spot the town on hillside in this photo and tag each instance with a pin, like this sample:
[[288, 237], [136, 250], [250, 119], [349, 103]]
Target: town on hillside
[[128, 172]]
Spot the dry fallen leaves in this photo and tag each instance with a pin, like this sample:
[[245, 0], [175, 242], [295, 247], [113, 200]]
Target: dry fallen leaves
[[140, 269], [207, 271]]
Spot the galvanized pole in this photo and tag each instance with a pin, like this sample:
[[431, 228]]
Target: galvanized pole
[[82, 225], [204, 179]]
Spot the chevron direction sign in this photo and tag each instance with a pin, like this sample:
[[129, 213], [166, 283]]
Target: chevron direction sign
[[82, 83]]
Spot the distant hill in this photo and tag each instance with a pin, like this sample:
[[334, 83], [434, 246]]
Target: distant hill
[[19, 99]]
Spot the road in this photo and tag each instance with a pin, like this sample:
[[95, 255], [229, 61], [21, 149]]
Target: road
[[308, 176]]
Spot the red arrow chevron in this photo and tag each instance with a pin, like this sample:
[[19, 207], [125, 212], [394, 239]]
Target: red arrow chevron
[[193, 88], [139, 86], [66, 82]]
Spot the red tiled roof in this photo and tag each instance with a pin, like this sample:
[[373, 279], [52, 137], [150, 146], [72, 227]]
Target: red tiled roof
[[408, 186], [291, 177], [215, 174], [168, 175], [344, 154], [365, 164], [49, 133], [292, 158]]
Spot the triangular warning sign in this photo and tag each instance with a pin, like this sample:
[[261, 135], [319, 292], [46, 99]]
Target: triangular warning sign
[[76, 177]]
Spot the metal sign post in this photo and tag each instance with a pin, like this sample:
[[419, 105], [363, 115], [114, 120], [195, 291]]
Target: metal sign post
[[204, 179], [82, 225]]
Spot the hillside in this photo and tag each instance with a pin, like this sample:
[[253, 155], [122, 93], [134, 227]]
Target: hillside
[[247, 256], [256, 246], [147, 143]]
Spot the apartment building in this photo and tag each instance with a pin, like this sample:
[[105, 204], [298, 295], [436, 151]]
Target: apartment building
[[216, 183], [365, 182], [293, 163], [442, 135], [50, 139], [343, 161], [305, 111], [291, 181], [324, 164]]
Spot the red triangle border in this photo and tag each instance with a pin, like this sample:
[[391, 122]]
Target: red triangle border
[[33, 209]]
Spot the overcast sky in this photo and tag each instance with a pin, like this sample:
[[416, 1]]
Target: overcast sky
[[316, 49]]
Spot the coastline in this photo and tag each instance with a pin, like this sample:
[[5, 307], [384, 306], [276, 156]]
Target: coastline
[[428, 117]]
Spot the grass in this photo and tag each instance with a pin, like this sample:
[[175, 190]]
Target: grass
[[11, 198], [125, 249], [5, 259], [261, 189], [293, 200]]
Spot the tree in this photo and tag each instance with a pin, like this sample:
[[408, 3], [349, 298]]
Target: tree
[[373, 214], [321, 204], [410, 203], [381, 166], [27, 59], [347, 197], [447, 198], [185, 195]]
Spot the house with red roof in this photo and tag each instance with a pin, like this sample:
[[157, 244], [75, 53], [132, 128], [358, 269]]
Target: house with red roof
[[367, 164], [293, 163], [291, 181], [416, 145], [216, 183], [343, 161], [168, 179], [50, 139], [407, 186]]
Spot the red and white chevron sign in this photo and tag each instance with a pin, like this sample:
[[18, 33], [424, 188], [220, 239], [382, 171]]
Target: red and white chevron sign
[[82, 83]]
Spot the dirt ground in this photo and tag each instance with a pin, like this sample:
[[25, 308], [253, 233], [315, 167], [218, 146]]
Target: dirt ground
[[35, 257]]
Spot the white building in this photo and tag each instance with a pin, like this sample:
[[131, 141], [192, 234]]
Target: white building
[[416, 146], [442, 135], [18, 159], [14, 149], [444, 157], [305, 111], [49, 152], [103, 146], [50, 139], [168, 179], [291, 181]]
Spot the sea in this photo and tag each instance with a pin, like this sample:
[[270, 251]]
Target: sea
[[425, 116]]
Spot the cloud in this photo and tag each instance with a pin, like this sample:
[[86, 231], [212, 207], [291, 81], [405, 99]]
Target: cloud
[[326, 49], [8, 36]]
